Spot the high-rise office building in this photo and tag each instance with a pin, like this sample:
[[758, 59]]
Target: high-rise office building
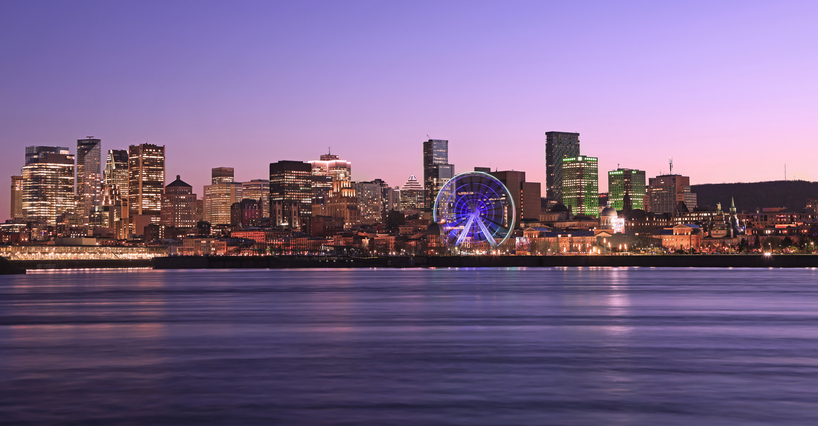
[[259, 190], [558, 145], [626, 189], [146, 182], [328, 169], [89, 178], [48, 184], [115, 191], [370, 202], [580, 185], [666, 191], [34, 152], [436, 169], [412, 195], [290, 193], [525, 195], [178, 205], [342, 204], [220, 195], [16, 206]]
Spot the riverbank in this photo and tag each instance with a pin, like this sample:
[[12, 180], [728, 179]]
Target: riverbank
[[294, 262], [699, 261]]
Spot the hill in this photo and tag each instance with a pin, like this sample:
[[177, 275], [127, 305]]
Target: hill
[[792, 194]]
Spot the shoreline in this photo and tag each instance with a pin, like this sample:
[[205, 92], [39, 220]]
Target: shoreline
[[302, 262]]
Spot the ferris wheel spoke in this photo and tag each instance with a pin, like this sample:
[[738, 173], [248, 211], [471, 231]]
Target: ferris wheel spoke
[[486, 233]]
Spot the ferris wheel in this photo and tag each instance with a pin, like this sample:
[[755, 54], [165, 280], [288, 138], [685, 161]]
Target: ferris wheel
[[473, 208]]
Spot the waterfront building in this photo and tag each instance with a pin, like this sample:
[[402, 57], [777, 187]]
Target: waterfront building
[[558, 145], [436, 169], [178, 205], [626, 189], [290, 193], [146, 182], [48, 184], [259, 190], [412, 195], [220, 195], [665, 192], [89, 178], [370, 200], [580, 185], [16, 206], [525, 195]]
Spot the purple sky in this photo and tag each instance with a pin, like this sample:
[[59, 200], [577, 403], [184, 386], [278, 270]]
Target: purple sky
[[728, 89]]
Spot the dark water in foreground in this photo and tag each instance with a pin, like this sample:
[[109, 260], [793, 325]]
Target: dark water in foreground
[[486, 346]]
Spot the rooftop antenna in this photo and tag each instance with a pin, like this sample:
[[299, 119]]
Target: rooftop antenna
[[427, 135], [785, 172], [671, 165], [329, 150]]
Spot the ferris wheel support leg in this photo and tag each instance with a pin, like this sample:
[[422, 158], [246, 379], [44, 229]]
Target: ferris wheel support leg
[[465, 232]]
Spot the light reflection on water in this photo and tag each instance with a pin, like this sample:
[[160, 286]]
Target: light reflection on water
[[415, 346]]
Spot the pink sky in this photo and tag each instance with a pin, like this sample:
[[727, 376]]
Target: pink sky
[[728, 89]]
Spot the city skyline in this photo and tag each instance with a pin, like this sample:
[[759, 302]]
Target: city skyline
[[715, 86]]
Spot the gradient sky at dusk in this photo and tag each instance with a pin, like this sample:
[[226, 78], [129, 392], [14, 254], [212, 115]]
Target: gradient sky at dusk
[[728, 89]]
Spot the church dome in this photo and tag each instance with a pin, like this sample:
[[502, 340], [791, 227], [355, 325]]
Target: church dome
[[608, 212]]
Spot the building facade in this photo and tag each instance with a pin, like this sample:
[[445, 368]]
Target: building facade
[[89, 177], [436, 169], [558, 145], [290, 193], [178, 205], [259, 190], [146, 182], [411, 195], [665, 192], [220, 195], [370, 202], [16, 206], [525, 195], [626, 189], [580, 184], [48, 184]]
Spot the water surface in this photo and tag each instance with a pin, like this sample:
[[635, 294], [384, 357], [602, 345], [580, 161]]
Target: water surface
[[417, 346]]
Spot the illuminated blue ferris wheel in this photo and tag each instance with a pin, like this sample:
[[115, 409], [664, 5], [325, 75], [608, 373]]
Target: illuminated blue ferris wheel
[[474, 209]]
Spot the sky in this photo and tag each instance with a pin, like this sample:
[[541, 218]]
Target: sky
[[728, 89]]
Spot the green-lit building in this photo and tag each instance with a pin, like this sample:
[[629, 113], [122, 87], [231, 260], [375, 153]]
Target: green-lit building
[[626, 189], [580, 185]]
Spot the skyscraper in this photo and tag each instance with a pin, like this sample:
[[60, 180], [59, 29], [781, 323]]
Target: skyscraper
[[115, 190], [436, 169], [370, 199], [89, 180], [411, 195], [328, 169], [626, 189], [666, 191], [580, 185], [48, 184], [16, 207], [290, 192], [558, 145], [178, 205], [220, 195], [146, 182]]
